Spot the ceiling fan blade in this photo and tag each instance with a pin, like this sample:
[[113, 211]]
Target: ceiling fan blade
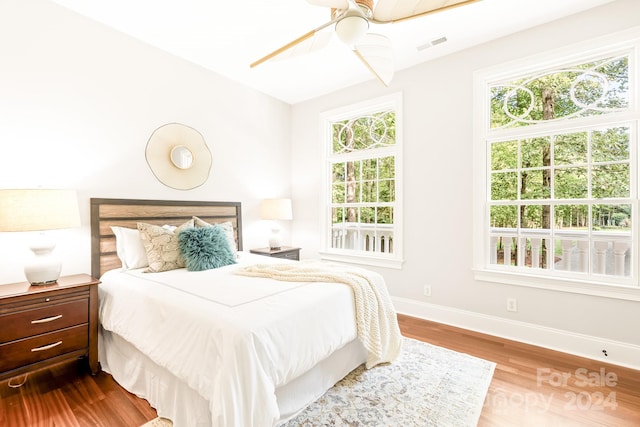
[[282, 49], [318, 41], [376, 53], [337, 4], [396, 11], [295, 42]]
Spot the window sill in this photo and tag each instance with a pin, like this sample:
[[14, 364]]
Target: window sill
[[607, 290], [363, 260]]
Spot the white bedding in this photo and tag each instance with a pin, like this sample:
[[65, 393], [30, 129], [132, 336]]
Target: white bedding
[[175, 400], [229, 337]]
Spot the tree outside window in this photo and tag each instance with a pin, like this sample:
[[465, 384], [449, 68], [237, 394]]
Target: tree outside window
[[362, 166], [560, 165]]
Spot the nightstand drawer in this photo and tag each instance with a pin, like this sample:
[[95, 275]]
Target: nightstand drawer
[[31, 350], [294, 255], [285, 252], [46, 319]]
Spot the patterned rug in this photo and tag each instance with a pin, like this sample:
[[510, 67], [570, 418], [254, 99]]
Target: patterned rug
[[427, 386]]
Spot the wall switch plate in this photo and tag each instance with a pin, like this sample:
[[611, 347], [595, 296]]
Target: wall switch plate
[[512, 304]]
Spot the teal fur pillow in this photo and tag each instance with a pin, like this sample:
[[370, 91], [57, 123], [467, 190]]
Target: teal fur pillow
[[204, 248]]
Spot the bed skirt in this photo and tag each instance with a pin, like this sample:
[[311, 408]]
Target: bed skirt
[[175, 400]]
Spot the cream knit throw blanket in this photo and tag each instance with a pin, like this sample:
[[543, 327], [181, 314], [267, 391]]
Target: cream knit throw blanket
[[376, 320]]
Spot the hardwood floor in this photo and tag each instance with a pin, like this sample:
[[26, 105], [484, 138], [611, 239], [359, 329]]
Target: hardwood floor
[[536, 387], [531, 386], [67, 395]]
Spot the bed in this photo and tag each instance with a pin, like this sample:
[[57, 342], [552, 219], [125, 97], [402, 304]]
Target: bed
[[214, 347]]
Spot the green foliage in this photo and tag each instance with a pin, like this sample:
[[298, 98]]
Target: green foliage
[[610, 144], [532, 152], [504, 186], [610, 181], [606, 175], [570, 149], [611, 217], [504, 155], [571, 216], [571, 183], [370, 181], [581, 90], [536, 187], [504, 216], [364, 132], [532, 217], [557, 173], [619, 218]]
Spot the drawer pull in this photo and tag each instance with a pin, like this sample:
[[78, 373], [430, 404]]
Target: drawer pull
[[45, 320], [47, 347]]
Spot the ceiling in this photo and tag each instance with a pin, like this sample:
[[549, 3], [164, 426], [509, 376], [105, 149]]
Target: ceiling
[[227, 36]]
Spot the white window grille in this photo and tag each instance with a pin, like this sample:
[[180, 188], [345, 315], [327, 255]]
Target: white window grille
[[557, 156], [363, 165]]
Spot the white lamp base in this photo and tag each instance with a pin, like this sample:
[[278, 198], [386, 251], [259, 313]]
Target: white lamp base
[[44, 267], [275, 241]]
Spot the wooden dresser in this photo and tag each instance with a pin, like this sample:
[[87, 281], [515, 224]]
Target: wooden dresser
[[47, 324]]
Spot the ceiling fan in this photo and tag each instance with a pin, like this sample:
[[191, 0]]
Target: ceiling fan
[[352, 19]]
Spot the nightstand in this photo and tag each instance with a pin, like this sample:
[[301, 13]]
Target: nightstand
[[286, 252], [48, 324]]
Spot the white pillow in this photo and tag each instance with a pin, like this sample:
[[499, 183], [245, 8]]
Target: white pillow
[[130, 248]]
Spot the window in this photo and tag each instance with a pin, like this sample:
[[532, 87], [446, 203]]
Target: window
[[363, 166], [557, 158]]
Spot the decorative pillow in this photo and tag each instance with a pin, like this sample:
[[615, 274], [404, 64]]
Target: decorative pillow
[[162, 247], [129, 248], [226, 226], [205, 248]]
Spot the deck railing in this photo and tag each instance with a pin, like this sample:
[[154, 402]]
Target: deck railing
[[362, 237], [609, 252]]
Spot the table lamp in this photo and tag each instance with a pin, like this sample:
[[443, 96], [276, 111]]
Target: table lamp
[[39, 210], [276, 210]]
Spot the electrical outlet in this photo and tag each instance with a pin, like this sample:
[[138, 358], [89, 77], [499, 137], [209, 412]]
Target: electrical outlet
[[512, 304], [426, 290]]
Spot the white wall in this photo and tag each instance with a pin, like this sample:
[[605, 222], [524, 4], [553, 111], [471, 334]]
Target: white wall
[[78, 102], [438, 121]]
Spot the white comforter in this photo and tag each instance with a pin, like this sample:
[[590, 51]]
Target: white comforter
[[229, 337]]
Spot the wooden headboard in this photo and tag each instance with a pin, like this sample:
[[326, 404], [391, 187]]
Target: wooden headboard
[[128, 212]]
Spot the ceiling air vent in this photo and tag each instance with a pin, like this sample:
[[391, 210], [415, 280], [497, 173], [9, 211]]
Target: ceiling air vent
[[432, 43]]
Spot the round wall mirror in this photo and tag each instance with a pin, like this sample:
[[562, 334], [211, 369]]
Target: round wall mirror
[[181, 157], [178, 156]]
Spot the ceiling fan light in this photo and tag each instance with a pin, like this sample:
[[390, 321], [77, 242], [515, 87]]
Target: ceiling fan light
[[351, 29]]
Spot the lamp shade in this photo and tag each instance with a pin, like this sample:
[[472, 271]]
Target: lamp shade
[[276, 209], [38, 209]]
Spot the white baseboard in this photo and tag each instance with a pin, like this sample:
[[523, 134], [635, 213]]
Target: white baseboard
[[618, 353]]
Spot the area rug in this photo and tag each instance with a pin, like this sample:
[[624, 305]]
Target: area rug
[[426, 386]]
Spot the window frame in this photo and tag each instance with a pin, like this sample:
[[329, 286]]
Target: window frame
[[624, 41], [394, 102]]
